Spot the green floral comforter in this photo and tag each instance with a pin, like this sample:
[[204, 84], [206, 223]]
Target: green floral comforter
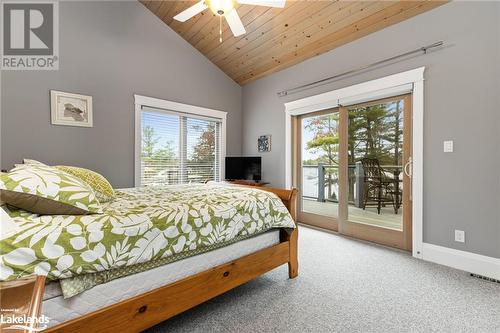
[[140, 225]]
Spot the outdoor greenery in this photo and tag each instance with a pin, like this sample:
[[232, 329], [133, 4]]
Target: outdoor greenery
[[204, 150], [376, 132], [373, 132], [161, 160], [149, 143]]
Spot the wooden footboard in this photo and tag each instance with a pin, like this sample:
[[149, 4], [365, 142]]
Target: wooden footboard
[[289, 198], [145, 310]]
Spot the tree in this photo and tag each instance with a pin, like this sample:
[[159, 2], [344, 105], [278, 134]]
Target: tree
[[166, 152], [204, 150], [365, 126], [373, 132], [326, 140], [149, 141], [158, 161]]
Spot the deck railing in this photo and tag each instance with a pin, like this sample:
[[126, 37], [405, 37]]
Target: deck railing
[[320, 182], [167, 172]]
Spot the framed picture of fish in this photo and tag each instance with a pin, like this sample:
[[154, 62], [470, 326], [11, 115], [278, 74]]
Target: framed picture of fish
[[70, 109]]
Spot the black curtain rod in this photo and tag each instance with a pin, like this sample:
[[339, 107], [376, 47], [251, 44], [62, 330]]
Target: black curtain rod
[[330, 79]]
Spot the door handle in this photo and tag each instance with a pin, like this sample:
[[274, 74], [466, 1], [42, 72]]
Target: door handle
[[408, 167], [408, 170]]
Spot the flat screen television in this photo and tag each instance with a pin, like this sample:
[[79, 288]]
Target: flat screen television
[[243, 168]]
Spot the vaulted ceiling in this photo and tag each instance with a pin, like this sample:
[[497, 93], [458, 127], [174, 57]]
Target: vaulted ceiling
[[277, 38]]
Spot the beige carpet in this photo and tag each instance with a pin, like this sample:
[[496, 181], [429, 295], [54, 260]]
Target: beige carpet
[[350, 286]]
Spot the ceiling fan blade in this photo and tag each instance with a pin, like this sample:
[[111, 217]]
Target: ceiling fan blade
[[191, 11], [235, 23], [267, 3]]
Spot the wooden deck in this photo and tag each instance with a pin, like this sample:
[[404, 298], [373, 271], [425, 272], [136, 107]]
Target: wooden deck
[[386, 218]]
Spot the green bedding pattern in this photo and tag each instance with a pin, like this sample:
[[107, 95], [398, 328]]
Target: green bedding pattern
[[140, 225]]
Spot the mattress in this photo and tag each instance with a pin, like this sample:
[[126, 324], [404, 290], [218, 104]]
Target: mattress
[[59, 309]]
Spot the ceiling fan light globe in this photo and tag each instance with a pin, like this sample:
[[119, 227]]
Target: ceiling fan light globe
[[221, 7]]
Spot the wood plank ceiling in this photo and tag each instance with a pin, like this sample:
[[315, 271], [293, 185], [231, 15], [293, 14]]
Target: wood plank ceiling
[[278, 38]]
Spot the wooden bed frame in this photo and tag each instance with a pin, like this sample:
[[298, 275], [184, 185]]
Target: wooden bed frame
[[148, 309]]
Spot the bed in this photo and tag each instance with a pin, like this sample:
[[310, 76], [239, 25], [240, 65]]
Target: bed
[[140, 280]]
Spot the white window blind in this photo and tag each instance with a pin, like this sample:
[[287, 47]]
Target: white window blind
[[179, 148]]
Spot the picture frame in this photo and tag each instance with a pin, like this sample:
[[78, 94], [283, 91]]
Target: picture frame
[[264, 143], [71, 109]]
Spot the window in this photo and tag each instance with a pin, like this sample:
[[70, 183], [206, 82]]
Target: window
[[177, 143]]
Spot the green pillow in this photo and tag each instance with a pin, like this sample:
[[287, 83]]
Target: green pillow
[[48, 191], [102, 188]]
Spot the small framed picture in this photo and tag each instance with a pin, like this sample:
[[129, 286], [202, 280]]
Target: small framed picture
[[70, 109], [264, 143]]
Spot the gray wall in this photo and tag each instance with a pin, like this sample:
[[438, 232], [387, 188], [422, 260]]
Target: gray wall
[[110, 51], [461, 189]]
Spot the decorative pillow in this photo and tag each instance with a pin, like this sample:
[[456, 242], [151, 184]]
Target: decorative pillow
[[29, 162], [102, 188], [1, 202], [7, 226], [48, 191], [33, 162]]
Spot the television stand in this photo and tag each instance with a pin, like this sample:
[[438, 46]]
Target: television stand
[[248, 182]]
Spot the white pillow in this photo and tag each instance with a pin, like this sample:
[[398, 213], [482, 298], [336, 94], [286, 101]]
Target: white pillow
[[33, 162], [7, 225], [29, 162]]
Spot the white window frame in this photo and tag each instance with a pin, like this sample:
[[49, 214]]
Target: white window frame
[[393, 85], [169, 107]]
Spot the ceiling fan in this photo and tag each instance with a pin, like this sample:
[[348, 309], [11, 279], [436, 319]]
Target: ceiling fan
[[226, 8]]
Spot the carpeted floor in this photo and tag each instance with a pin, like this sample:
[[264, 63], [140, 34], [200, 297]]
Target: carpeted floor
[[350, 286]]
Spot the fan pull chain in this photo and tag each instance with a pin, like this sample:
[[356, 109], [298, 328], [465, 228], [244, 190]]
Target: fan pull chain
[[220, 28]]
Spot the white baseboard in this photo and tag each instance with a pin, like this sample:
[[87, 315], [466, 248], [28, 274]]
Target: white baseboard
[[466, 261]]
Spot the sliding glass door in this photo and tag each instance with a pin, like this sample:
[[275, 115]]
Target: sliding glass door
[[377, 155], [353, 170], [318, 168]]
